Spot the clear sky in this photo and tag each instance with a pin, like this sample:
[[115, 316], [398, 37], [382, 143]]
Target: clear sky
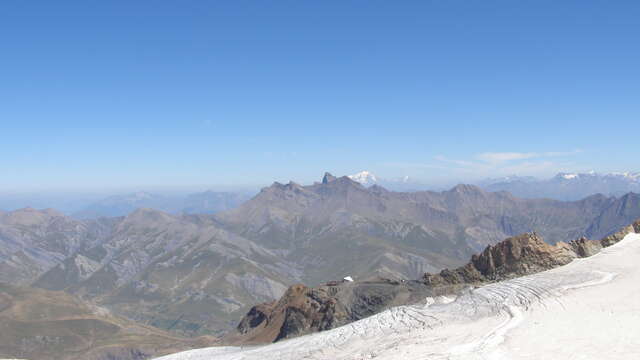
[[134, 93]]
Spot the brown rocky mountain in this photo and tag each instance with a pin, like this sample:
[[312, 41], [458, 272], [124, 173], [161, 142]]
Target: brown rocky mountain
[[324, 226], [41, 324], [303, 310], [181, 273], [32, 241], [198, 274], [523, 255]]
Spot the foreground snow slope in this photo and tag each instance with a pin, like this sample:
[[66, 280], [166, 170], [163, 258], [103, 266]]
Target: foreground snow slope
[[589, 309]]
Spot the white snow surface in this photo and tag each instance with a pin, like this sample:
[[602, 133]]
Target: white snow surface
[[364, 178], [588, 309]]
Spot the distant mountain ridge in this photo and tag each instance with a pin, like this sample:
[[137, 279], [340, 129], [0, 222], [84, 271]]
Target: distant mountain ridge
[[206, 202], [567, 186]]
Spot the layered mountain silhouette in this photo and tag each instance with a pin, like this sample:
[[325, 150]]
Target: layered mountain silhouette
[[198, 274]]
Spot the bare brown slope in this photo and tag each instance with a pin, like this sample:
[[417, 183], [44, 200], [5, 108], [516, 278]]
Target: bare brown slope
[[39, 324]]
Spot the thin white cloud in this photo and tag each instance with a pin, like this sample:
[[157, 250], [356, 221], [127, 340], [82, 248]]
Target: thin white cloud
[[491, 164], [497, 157], [504, 156], [407, 165]]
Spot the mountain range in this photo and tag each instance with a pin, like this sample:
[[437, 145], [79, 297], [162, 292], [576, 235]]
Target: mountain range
[[567, 186], [198, 274], [563, 186]]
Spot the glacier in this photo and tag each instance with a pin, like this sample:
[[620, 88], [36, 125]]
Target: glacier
[[587, 309]]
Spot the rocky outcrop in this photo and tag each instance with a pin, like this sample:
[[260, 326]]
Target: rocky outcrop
[[584, 247], [522, 255], [303, 310], [617, 236], [515, 256]]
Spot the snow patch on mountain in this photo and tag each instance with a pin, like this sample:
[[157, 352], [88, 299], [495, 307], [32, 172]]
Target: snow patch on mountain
[[365, 178]]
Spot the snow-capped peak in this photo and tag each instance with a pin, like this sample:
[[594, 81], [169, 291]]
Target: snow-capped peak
[[364, 178], [627, 175]]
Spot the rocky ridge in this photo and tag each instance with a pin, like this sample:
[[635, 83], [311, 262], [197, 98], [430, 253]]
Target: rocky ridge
[[304, 310], [523, 255]]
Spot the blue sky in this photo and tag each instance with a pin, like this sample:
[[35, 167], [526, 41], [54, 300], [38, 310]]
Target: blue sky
[[97, 94]]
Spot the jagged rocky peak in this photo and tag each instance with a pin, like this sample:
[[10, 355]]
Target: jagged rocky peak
[[327, 178], [279, 190], [288, 186], [516, 256], [521, 255], [342, 181]]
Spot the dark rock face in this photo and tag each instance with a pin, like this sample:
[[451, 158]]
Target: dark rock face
[[522, 255], [585, 248], [515, 256], [327, 178], [256, 316], [303, 310]]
